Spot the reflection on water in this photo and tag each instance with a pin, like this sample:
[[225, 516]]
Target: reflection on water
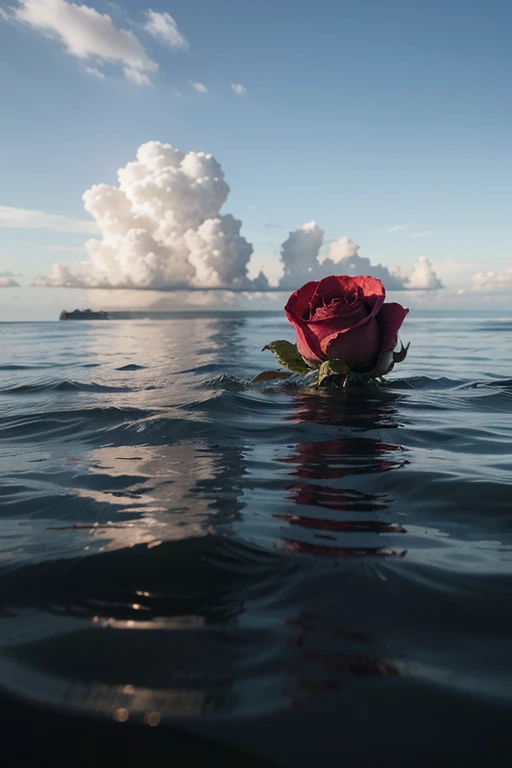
[[322, 663], [340, 458], [155, 491], [354, 524]]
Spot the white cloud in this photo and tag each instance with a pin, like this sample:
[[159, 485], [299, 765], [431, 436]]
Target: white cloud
[[456, 272], [164, 28], [342, 249], [8, 282], [490, 281], [343, 258], [4, 15], [419, 235], [423, 276], [178, 93], [299, 255], [136, 76], [239, 89], [86, 34], [300, 260], [95, 72], [199, 87], [397, 228], [162, 229], [60, 276], [21, 218]]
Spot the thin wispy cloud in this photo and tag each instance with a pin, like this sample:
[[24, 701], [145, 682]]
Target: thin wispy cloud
[[200, 88], [95, 72], [4, 15], [23, 218], [419, 235], [239, 89], [397, 228], [87, 34], [136, 76], [164, 28]]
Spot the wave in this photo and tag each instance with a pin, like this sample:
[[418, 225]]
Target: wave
[[65, 422], [60, 386]]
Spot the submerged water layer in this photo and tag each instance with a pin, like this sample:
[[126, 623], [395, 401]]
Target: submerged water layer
[[328, 572]]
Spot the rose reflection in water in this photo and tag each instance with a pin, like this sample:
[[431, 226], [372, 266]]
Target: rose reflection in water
[[322, 661], [347, 460], [339, 512]]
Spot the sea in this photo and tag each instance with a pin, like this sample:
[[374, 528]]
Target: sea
[[262, 574]]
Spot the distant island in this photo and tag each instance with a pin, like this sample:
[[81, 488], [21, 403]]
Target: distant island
[[83, 314]]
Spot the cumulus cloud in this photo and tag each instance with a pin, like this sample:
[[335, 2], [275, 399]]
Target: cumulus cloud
[[95, 72], [299, 255], [341, 250], [162, 228], [22, 218], [164, 28], [200, 88], [301, 263], [343, 258], [7, 280], [60, 277], [490, 281], [87, 34], [239, 89], [423, 277]]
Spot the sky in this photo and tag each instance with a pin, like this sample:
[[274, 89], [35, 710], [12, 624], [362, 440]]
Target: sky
[[260, 144]]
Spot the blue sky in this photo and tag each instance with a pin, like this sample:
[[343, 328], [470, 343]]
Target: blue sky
[[363, 115]]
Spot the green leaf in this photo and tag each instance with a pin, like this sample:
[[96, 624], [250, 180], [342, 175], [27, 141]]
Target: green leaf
[[288, 355], [338, 366], [332, 368], [324, 372]]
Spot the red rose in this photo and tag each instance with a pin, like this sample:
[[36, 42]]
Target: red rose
[[344, 318]]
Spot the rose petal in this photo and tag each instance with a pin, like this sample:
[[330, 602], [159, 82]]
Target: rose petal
[[299, 300], [390, 317], [307, 343], [327, 330], [358, 347], [372, 289], [296, 306], [341, 316]]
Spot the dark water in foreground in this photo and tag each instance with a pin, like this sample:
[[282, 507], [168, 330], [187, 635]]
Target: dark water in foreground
[[305, 576]]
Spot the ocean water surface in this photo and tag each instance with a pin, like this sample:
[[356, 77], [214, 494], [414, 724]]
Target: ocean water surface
[[299, 575]]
